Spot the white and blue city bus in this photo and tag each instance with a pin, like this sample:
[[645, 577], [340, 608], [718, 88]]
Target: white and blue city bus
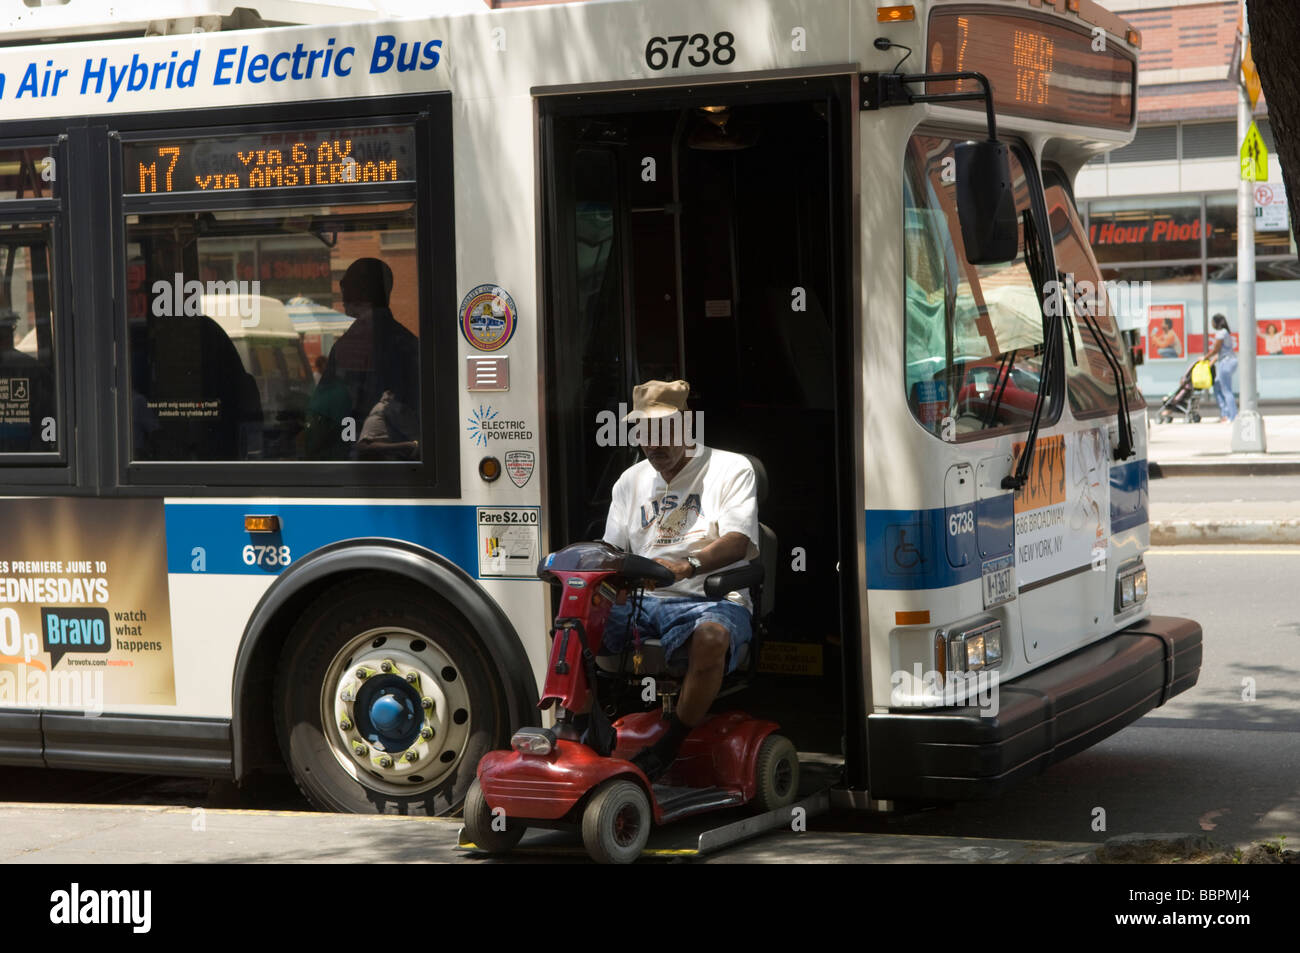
[[489, 225]]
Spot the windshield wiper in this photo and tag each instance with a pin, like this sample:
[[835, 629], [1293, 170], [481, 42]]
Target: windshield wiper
[[1000, 382], [1051, 333], [1125, 448]]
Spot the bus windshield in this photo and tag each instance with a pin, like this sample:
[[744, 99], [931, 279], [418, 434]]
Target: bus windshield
[[974, 333]]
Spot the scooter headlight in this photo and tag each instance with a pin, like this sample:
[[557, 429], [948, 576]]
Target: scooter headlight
[[533, 741]]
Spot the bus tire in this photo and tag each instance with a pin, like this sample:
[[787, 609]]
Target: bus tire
[[385, 702]]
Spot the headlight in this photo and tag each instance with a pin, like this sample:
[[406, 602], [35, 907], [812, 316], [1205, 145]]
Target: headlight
[[1130, 587], [533, 741], [972, 647], [993, 647]]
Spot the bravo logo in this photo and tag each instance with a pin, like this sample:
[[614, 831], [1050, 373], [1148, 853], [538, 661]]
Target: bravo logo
[[74, 630]]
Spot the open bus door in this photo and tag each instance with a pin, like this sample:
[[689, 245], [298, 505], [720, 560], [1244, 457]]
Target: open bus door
[[704, 234]]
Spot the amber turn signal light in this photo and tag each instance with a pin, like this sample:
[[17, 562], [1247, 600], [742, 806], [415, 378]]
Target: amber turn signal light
[[897, 14]]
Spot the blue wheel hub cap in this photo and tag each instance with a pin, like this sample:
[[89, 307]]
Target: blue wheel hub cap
[[388, 713]]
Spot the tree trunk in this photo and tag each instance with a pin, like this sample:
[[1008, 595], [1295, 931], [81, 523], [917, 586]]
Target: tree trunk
[[1275, 42]]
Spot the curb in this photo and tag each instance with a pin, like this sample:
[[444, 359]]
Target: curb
[[1150, 848], [1238, 532], [1226, 468]]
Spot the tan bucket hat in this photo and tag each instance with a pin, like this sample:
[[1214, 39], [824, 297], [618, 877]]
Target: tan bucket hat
[[658, 399]]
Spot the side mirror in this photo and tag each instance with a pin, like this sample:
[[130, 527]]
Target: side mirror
[[986, 202]]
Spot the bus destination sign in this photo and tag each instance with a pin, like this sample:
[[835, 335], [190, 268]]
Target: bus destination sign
[[269, 161], [1038, 69]]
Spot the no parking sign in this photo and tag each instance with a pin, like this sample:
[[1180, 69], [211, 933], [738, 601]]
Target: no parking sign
[[1270, 208]]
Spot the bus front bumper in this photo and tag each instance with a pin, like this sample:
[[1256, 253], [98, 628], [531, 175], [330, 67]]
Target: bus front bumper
[[1040, 718]]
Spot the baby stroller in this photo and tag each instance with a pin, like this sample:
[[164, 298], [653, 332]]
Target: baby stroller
[[1186, 398]]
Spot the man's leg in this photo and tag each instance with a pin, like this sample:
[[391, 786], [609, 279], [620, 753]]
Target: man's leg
[[711, 635], [708, 659]]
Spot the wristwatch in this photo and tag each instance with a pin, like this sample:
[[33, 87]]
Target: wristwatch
[[695, 566]]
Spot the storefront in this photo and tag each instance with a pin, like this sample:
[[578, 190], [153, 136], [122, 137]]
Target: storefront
[[1185, 246]]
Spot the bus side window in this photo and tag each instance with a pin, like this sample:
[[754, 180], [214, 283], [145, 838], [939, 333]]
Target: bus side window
[[973, 334], [219, 365], [28, 400]]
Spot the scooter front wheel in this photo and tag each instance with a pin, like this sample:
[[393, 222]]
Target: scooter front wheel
[[616, 822], [494, 834]]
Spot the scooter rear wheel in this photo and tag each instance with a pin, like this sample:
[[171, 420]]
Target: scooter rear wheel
[[776, 772], [479, 827], [616, 822]]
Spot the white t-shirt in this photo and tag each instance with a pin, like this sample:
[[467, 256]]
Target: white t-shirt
[[712, 495]]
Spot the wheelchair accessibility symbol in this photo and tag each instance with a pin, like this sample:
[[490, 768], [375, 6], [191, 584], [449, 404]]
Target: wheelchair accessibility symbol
[[904, 547]]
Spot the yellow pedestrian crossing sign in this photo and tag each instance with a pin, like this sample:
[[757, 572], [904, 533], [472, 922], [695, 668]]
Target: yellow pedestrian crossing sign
[[1254, 156]]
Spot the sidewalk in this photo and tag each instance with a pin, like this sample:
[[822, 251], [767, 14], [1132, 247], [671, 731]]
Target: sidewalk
[[1231, 510], [110, 834], [1205, 449]]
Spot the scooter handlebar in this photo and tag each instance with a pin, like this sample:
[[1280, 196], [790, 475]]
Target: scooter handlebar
[[641, 569]]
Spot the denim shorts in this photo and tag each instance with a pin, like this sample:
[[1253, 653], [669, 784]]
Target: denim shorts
[[672, 620]]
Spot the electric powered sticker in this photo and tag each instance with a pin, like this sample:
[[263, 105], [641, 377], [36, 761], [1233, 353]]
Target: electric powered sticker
[[488, 317]]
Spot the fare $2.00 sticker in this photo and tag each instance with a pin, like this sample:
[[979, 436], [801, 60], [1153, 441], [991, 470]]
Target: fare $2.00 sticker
[[509, 541]]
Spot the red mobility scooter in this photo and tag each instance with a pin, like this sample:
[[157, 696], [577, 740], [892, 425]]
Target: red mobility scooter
[[562, 778]]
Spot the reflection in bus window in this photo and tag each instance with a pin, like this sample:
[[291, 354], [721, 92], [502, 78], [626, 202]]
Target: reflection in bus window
[[1091, 380], [28, 173], [974, 333], [27, 379], [230, 311]]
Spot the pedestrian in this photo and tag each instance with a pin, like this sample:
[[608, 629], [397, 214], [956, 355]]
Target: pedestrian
[[1224, 355]]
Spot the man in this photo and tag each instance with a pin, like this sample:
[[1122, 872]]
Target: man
[[375, 356], [693, 510]]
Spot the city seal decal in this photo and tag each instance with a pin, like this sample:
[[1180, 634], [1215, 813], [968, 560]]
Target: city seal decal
[[488, 317], [519, 464]]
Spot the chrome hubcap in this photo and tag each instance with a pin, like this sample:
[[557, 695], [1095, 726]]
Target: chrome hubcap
[[396, 711]]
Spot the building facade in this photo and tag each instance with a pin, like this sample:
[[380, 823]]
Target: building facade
[[1164, 208]]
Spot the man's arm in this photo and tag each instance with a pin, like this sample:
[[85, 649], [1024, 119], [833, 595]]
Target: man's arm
[[723, 551]]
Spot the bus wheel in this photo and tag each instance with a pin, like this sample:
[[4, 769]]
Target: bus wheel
[[384, 702]]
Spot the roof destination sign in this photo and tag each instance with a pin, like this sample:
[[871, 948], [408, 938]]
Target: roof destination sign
[[269, 160]]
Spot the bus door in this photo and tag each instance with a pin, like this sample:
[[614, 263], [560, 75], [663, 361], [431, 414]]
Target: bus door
[[702, 235]]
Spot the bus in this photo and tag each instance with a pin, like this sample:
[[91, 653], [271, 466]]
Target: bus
[[486, 226]]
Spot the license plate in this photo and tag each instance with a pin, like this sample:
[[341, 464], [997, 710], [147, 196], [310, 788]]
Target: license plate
[[998, 577]]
